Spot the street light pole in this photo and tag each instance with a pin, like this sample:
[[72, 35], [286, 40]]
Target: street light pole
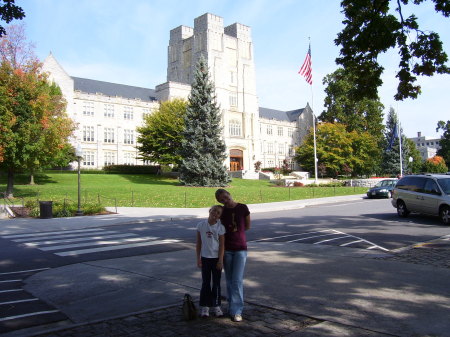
[[79, 154]]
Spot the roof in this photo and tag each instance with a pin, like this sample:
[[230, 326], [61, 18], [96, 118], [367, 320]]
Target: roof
[[287, 116], [113, 89]]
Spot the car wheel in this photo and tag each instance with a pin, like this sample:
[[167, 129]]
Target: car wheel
[[444, 214], [402, 211]]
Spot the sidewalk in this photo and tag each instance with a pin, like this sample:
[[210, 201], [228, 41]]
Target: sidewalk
[[145, 215], [291, 289]]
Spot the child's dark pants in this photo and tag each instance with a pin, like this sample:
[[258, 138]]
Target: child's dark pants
[[210, 296]]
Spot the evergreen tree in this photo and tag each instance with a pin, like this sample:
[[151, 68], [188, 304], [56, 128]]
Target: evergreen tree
[[202, 147], [391, 154]]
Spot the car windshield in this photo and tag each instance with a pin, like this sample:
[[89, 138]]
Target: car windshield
[[445, 184], [384, 183]]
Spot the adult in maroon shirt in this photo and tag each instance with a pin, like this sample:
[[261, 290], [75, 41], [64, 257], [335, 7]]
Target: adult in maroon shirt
[[236, 219]]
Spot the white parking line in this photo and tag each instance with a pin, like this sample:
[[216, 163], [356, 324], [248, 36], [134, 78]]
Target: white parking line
[[20, 301], [10, 291], [65, 236], [48, 233], [373, 244], [350, 243], [103, 249], [28, 315], [310, 237], [339, 237], [100, 237], [286, 236], [23, 271], [87, 244]]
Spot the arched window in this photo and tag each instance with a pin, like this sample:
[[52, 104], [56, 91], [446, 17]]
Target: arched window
[[235, 128]]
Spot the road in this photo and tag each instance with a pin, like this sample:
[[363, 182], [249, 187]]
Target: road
[[364, 224]]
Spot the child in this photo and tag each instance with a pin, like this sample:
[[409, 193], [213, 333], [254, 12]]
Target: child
[[210, 250], [236, 219]]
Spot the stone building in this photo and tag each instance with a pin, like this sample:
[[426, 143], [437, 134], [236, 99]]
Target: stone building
[[427, 147], [107, 114]]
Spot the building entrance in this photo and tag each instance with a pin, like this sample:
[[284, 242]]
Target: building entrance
[[236, 160]]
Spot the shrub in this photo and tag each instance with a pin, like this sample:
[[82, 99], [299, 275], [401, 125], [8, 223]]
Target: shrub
[[64, 209], [298, 184], [132, 169]]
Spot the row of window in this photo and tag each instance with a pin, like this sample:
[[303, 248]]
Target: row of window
[[109, 135], [271, 163], [109, 158], [281, 149], [428, 144], [280, 131], [109, 110], [236, 130]]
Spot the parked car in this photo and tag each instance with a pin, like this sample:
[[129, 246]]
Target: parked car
[[423, 193], [383, 189]]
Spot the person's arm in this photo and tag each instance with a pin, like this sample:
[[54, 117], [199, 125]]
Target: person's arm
[[247, 222], [198, 249], [221, 251]]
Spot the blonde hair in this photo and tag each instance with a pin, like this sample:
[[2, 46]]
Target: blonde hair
[[216, 206]]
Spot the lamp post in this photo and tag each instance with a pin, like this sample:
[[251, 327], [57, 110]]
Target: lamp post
[[79, 155]]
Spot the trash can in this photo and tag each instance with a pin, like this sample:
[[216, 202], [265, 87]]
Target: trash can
[[46, 209]]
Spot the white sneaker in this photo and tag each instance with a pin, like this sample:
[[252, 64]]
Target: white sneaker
[[204, 312], [237, 318], [217, 312]]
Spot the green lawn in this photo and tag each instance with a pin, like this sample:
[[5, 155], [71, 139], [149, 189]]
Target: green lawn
[[155, 191]]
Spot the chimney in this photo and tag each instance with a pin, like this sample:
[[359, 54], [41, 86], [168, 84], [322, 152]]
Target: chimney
[[419, 134]]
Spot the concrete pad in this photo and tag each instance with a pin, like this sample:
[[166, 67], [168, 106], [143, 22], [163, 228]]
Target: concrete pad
[[329, 329], [342, 285]]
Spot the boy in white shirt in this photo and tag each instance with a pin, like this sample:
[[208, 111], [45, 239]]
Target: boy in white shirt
[[210, 251]]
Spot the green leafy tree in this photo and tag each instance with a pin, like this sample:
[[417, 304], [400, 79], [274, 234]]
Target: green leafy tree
[[339, 151], [202, 147], [444, 151], [160, 136], [34, 126], [371, 29], [391, 149], [8, 12], [435, 165], [358, 114]]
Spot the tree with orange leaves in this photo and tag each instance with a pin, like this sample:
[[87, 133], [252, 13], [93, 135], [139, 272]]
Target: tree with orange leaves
[[435, 164], [34, 127]]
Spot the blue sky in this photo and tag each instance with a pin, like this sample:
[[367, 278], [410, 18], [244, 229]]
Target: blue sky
[[125, 41]]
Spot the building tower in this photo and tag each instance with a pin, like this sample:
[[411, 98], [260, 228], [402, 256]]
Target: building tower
[[229, 53]]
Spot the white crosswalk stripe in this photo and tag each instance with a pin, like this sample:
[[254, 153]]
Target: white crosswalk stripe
[[67, 243], [332, 234]]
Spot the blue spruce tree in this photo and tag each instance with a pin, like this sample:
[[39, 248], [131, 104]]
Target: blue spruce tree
[[203, 150]]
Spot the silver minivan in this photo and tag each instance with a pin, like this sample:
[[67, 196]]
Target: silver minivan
[[423, 193]]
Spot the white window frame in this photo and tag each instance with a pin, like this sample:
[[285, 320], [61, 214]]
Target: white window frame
[[235, 128], [109, 158], [108, 135], [88, 158], [88, 133], [109, 110], [269, 129], [128, 112], [128, 136], [280, 131], [88, 108]]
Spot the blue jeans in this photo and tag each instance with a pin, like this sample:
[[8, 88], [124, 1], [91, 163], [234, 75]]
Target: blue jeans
[[234, 265]]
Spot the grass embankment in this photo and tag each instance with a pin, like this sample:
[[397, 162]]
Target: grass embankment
[[156, 191]]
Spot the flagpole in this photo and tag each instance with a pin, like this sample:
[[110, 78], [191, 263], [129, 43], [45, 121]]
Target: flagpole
[[314, 136], [306, 71], [400, 146]]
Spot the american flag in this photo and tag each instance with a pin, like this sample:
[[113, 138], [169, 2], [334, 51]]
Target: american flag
[[306, 69]]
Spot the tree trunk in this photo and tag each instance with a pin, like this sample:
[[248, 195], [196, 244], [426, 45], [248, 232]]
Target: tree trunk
[[10, 184], [31, 178]]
